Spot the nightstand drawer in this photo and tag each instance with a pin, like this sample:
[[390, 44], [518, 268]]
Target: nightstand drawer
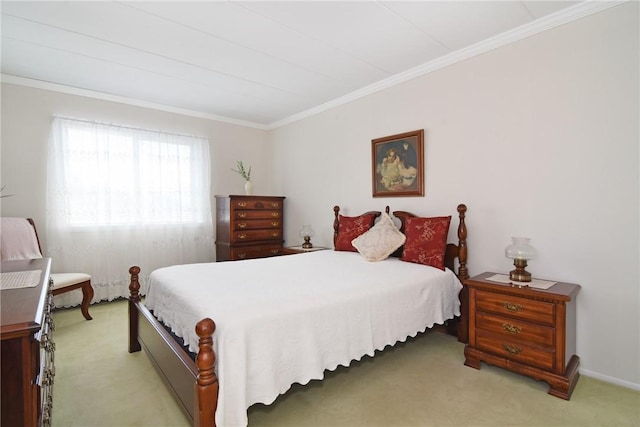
[[542, 358], [510, 328], [522, 308]]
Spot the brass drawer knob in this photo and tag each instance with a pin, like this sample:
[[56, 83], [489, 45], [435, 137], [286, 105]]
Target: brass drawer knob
[[242, 225], [512, 329], [275, 205], [511, 306], [242, 204], [275, 214], [512, 348], [242, 214], [242, 236], [275, 224]]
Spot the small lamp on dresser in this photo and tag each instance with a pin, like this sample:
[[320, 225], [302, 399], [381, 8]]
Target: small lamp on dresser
[[306, 232], [520, 251]]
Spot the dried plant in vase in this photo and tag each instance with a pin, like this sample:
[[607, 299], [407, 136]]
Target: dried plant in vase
[[246, 174]]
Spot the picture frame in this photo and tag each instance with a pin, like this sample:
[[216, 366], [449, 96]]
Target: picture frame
[[397, 165]]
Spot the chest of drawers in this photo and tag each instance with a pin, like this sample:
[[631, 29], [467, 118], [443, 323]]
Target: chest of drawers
[[248, 227], [27, 347], [526, 330]]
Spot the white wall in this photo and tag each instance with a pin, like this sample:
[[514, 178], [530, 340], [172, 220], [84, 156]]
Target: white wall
[[26, 122], [539, 138]]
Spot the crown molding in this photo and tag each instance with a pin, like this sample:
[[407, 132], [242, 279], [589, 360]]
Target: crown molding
[[548, 22], [55, 87]]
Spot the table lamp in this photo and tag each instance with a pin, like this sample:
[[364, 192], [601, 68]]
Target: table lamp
[[306, 232], [520, 251]]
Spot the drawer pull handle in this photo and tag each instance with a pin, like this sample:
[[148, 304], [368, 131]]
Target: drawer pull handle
[[242, 256], [275, 223], [275, 251], [242, 214], [275, 205], [242, 225], [275, 214], [242, 236], [512, 348], [512, 329], [511, 306], [275, 234], [242, 204]]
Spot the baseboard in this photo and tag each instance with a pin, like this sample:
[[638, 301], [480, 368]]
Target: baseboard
[[611, 380]]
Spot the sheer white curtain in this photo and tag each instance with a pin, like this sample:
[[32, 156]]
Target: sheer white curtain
[[118, 197]]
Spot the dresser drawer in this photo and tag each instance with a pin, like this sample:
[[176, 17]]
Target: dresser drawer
[[240, 236], [257, 214], [256, 204], [257, 224], [255, 252], [540, 357], [521, 308], [510, 328]]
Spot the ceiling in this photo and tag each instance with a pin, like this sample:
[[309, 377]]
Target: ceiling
[[257, 63]]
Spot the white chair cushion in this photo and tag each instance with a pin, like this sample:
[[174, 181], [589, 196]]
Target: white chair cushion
[[60, 280]]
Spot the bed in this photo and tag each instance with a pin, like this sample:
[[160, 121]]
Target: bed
[[285, 320]]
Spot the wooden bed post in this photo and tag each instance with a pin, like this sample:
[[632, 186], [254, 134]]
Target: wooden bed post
[[336, 224], [463, 322], [463, 273], [206, 387], [134, 298]]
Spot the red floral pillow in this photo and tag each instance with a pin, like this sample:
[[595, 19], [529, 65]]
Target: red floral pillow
[[426, 240], [350, 227]]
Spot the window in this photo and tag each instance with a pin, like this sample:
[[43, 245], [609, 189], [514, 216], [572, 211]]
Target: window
[[118, 197], [115, 176]]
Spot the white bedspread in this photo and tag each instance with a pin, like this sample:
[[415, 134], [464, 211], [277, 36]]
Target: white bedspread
[[285, 320]]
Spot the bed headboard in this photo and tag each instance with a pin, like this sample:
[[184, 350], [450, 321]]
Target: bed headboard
[[454, 251]]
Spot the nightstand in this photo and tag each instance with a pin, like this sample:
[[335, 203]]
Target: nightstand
[[300, 250], [525, 330]]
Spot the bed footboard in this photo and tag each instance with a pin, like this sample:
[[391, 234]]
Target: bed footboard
[[194, 384]]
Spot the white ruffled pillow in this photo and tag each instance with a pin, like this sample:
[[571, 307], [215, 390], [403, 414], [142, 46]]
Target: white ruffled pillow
[[379, 241]]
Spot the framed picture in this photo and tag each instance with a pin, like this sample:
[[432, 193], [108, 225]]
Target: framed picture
[[397, 164]]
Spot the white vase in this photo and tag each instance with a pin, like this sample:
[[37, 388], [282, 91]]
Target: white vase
[[248, 188]]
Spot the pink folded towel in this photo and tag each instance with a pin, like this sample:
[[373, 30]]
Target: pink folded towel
[[18, 240]]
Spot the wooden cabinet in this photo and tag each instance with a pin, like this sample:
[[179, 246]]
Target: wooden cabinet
[[248, 227], [526, 330], [27, 347]]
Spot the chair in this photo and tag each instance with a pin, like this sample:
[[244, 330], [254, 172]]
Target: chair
[[19, 240]]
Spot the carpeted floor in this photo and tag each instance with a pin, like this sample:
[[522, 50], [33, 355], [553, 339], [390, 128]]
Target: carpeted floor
[[422, 382]]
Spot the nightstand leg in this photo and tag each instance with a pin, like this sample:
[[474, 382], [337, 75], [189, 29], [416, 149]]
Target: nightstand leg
[[471, 357], [562, 387]]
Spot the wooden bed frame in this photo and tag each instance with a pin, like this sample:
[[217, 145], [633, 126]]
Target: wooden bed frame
[[195, 384]]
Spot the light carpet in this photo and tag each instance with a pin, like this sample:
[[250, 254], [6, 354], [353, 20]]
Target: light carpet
[[422, 382]]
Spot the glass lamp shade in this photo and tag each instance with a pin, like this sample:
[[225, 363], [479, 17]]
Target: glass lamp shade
[[520, 251], [306, 232]]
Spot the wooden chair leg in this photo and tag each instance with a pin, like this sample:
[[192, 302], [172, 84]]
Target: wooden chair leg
[[87, 296]]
